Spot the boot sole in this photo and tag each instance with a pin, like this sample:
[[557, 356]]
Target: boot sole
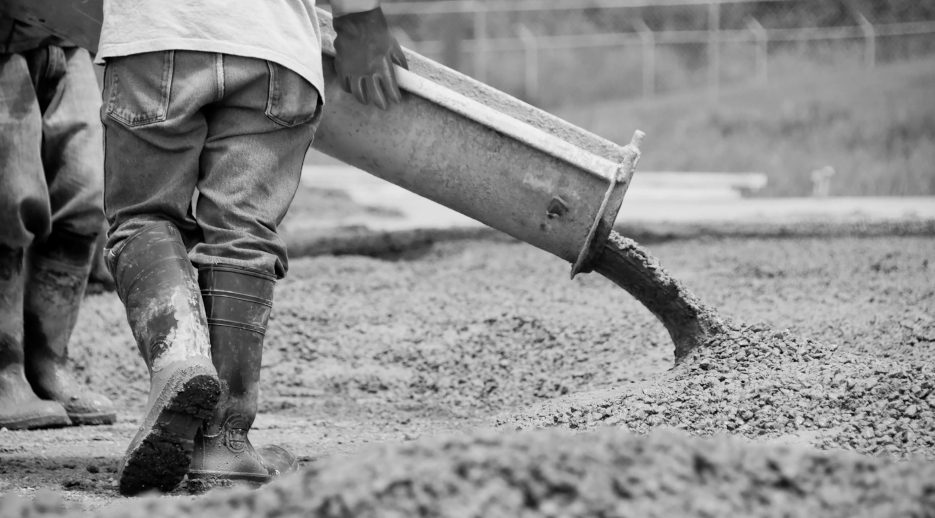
[[161, 452], [93, 419], [35, 423], [203, 481], [274, 457]]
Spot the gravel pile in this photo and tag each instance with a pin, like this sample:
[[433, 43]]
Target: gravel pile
[[363, 351], [553, 473], [759, 382], [445, 334]]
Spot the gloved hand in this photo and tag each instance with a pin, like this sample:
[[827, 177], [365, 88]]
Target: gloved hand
[[364, 55]]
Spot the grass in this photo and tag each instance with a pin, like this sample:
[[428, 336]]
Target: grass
[[876, 128]]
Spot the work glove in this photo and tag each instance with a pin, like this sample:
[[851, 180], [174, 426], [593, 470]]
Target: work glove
[[364, 56]]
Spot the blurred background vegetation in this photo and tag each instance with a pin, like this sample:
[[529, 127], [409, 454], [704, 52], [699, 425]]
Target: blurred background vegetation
[[783, 87]]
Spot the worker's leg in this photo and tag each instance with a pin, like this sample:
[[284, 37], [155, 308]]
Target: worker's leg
[[252, 161], [59, 264], [154, 133], [25, 215]]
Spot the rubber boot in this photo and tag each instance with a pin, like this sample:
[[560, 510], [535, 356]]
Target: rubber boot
[[156, 282], [278, 460], [20, 407], [57, 276], [238, 303]]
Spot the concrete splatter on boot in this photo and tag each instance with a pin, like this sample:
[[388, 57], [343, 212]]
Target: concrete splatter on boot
[[20, 407], [56, 279], [238, 303], [156, 282]]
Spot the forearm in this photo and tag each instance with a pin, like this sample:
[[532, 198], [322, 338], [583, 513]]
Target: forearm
[[342, 7]]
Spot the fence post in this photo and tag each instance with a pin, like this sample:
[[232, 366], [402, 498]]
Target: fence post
[[531, 58], [480, 41], [648, 40], [714, 51], [870, 40], [762, 49]]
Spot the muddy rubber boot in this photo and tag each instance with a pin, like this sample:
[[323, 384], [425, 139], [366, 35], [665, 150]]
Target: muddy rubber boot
[[20, 407], [55, 283], [156, 282], [238, 303]]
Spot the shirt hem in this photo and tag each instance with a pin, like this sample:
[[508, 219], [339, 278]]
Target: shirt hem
[[313, 76]]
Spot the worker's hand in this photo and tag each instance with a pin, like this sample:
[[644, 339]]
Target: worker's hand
[[365, 52]]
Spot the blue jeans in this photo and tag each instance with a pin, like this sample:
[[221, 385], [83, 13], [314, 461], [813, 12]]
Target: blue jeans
[[211, 143], [51, 157]]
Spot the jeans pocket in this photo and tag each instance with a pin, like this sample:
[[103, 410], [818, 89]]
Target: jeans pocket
[[137, 88], [292, 99]]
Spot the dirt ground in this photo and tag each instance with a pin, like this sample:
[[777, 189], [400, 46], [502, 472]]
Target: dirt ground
[[472, 378]]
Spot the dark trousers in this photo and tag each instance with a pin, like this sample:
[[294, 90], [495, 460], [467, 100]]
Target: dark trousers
[[51, 150]]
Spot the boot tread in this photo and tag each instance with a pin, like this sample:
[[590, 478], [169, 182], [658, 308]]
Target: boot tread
[[161, 453]]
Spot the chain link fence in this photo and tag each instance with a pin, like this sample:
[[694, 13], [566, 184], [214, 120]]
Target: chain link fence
[[559, 52]]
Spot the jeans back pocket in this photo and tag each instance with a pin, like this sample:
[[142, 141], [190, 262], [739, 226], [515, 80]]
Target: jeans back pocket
[[137, 88], [292, 99]]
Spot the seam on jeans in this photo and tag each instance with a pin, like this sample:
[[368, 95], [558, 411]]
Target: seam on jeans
[[104, 153], [167, 77], [219, 72], [110, 82], [272, 89]]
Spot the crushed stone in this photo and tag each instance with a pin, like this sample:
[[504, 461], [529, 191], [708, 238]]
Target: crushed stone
[[553, 473]]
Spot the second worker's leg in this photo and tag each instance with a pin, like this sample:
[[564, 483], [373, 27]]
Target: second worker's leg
[[58, 264], [20, 407], [58, 270], [252, 163], [24, 216]]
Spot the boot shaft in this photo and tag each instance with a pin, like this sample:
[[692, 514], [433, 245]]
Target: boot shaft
[[11, 307], [235, 297], [157, 284], [57, 274], [20, 408], [237, 304]]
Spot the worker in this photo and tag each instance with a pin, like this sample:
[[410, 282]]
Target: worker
[[209, 109], [51, 177]]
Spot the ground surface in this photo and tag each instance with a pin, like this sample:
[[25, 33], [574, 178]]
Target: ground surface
[[471, 340]]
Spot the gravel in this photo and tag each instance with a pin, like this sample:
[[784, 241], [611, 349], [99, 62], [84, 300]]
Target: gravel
[[441, 340], [553, 474], [762, 383]]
